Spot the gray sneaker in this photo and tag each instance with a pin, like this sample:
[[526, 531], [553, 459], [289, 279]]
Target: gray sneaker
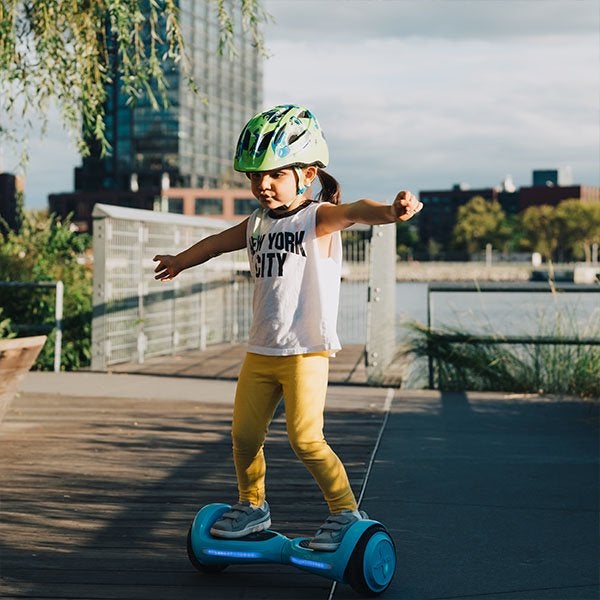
[[242, 519], [330, 534]]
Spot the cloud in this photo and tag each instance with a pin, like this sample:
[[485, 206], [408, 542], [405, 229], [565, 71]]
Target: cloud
[[422, 94], [426, 112], [320, 20]]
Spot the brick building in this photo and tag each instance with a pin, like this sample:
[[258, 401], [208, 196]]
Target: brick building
[[223, 203], [437, 220]]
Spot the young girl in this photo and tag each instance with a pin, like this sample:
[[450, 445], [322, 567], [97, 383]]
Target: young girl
[[294, 248]]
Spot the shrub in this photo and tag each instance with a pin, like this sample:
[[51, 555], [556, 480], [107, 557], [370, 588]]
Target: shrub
[[461, 363], [48, 249], [5, 327]]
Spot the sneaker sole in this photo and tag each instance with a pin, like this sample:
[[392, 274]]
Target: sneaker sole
[[324, 547], [232, 535]]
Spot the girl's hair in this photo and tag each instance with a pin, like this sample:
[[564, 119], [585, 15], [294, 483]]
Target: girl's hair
[[331, 191]]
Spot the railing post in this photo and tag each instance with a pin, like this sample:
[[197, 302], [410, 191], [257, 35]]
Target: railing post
[[234, 311], [58, 316], [429, 354], [203, 321], [381, 305], [100, 339]]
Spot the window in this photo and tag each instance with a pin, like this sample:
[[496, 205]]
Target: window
[[244, 206], [209, 206], [176, 205]]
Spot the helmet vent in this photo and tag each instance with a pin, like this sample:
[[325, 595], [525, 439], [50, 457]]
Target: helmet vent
[[263, 143], [295, 136]]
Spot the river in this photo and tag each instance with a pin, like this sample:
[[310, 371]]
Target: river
[[498, 313]]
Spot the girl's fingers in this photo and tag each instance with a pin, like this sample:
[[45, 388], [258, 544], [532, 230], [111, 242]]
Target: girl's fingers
[[410, 203]]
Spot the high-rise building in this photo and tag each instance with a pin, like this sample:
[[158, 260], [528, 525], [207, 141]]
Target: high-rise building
[[10, 188], [190, 143]]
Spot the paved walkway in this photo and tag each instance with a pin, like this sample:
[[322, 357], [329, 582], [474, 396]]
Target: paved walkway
[[486, 495], [224, 361]]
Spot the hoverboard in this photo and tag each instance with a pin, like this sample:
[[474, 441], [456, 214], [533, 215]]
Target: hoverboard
[[366, 558]]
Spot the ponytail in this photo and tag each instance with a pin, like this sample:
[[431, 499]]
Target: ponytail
[[331, 190]]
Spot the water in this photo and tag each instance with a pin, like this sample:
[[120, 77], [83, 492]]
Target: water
[[502, 313], [493, 313]]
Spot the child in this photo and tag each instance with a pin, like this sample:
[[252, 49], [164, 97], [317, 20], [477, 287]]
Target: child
[[294, 248]]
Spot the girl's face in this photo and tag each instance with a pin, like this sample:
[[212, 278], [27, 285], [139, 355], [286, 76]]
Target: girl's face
[[277, 189]]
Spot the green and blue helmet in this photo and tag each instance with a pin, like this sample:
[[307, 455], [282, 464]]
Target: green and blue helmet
[[283, 136]]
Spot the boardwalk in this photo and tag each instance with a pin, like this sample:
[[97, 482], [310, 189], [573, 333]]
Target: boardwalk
[[97, 495], [223, 361], [487, 496]]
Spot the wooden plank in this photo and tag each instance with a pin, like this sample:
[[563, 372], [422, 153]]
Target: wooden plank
[[97, 495], [193, 588], [224, 361]]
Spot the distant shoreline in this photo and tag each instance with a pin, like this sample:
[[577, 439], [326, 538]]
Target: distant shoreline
[[459, 271], [462, 271]]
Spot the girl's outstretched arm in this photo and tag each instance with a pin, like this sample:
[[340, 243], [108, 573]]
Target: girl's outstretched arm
[[332, 217], [229, 240]]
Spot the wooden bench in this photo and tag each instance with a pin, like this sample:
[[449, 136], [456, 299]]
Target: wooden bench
[[17, 356]]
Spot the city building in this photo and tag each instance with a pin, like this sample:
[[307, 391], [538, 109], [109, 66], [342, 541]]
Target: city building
[[187, 146], [10, 188], [551, 186], [552, 177], [224, 203], [553, 195], [437, 220]]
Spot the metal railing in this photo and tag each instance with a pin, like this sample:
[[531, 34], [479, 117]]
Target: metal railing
[[135, 317], [58, 312], [533, 287]]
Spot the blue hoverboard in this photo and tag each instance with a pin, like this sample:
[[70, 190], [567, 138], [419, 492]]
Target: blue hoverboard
[[366, 558]]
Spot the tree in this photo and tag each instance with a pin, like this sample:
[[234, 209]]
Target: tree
[[47, 249], [579, 228], [5, 328], [541, 229], [514, 233], [479, 222], [67, 51], [407, 238]]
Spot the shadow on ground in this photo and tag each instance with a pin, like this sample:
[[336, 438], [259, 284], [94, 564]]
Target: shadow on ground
[[486, 496], [98, 496]]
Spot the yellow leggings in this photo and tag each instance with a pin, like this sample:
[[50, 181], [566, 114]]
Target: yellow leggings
[[302, 379]]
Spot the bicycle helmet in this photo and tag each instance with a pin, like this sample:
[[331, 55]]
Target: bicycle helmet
[[283, 136]]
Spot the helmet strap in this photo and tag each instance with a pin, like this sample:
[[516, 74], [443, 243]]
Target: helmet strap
[[301, 186]]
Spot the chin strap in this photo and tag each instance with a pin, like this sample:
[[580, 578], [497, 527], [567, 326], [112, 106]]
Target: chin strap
[[301, 187]]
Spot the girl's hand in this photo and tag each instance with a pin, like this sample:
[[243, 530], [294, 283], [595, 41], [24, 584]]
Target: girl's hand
[[406, 205], [167, 267]]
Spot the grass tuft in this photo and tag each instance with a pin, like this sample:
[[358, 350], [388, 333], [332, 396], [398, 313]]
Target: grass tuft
[[464, 364]]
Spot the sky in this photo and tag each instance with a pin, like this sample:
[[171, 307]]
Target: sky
[[421, 94]]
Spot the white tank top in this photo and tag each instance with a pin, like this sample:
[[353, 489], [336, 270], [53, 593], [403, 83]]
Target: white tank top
[[296, 292]]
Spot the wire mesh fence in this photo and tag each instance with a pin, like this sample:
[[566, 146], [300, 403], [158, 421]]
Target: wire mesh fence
[[136, 317]]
